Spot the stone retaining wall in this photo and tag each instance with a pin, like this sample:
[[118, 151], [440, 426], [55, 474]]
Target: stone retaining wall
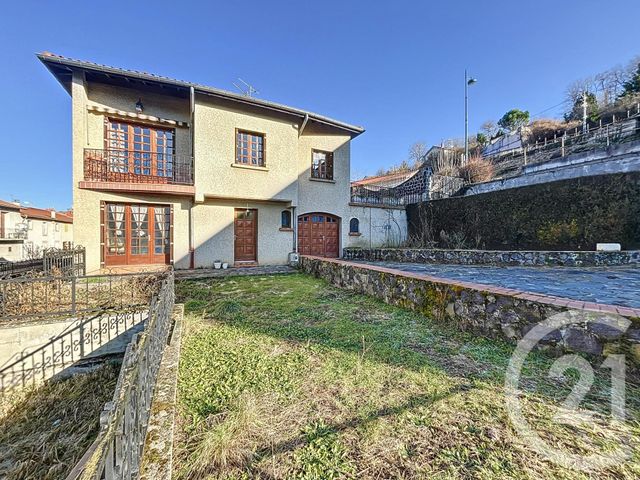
[[494, 257], [487, 310]]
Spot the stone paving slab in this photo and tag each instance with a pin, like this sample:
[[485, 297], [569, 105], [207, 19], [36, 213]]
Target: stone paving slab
[[575, 287]]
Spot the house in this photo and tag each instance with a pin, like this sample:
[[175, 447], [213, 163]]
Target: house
[[26, 231], [172, 172]]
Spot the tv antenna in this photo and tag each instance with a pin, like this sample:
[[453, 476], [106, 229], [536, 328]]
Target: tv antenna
[[247, 90]]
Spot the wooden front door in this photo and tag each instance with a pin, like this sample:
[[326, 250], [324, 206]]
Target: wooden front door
[[137, 234], [319, 235], [246, 235]]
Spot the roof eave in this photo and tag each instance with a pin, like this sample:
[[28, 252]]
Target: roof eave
[[50, 60]]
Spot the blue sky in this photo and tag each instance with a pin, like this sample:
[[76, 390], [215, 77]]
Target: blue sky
[[395, 67]]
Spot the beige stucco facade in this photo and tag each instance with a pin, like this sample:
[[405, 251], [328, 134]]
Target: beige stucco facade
[[25, 236], [205, 128]]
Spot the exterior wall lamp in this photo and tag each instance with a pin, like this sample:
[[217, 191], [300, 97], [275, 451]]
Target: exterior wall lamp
[[139, 106]]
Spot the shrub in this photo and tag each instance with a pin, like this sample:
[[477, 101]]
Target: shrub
[[477, 169]]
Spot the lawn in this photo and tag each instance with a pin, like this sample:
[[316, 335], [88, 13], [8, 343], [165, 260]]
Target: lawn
[[288, 377]]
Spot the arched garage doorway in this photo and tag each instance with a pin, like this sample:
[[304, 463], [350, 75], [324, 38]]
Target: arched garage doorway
[[319, 234]]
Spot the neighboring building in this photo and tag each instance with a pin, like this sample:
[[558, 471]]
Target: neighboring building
[[167, 171], [26, 231]]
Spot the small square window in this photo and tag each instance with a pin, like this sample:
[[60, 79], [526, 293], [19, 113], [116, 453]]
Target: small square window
[[322, 165], [250, 148]]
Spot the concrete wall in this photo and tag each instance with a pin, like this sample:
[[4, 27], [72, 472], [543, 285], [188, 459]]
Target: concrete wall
[[615, 159], [32, 353], [379, 227]]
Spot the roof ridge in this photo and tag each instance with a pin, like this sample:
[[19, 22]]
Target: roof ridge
[[52, 57]]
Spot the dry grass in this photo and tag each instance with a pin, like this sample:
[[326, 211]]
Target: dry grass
[[45, 431], [547, 128], [51, 295], [477, 169], [286, 377]]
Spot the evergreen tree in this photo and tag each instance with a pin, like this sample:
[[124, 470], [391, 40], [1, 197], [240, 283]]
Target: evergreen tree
[[576, 111], [632, 86]]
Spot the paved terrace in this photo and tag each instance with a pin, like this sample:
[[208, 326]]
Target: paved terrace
[[618, 286]]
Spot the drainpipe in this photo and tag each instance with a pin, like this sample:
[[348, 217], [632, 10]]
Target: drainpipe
[[192, 108], [294, 220]]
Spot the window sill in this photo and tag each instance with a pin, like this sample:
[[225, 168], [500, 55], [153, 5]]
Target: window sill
[[249, 167], [284, 229], [323, 180], [354, 234]]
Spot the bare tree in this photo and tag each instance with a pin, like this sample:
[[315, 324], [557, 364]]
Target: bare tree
[[31, 251], [417, 153], [490, 128]]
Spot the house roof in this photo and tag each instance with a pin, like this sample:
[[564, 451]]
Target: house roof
[[9, 205], [45, 214], [391, 180], [62, 67]]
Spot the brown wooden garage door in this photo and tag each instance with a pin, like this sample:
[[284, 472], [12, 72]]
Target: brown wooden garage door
[[319, 234]]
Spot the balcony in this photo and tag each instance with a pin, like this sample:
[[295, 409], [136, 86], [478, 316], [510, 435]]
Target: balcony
[[135, 171], [15, 234]]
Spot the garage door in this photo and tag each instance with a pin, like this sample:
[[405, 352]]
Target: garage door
[[319, 234]]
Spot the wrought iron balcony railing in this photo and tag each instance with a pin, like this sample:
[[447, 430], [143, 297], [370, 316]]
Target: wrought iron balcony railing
[[15, 234], [129, 166]]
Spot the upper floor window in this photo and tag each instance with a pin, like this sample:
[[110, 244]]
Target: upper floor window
[[250, 148], [139, 149], [321, 165], [45, 228]]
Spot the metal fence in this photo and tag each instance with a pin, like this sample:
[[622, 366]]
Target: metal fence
[[597, 137], [26, 298], [66, 261], [117, 452], [54, 261], [15, 269], [77, 342]]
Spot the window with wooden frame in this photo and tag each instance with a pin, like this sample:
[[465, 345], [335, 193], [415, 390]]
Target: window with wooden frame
[[321, 165], [250, 148], [139, 149]]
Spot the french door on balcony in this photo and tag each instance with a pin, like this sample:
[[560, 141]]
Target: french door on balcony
[[140, 150], [136, 234]]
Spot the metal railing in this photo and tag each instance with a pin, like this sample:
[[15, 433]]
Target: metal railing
[[15, 234], [54, 261], [14, 269], [128, 166], [117, 452], [65, 261], [383, 196], [598, 136], [75, 343], [27, 298]]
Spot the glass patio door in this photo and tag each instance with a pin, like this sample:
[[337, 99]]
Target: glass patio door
[[137, 234]]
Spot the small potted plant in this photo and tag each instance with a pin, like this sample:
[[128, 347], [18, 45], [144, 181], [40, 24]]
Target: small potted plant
[[225, 265], [217, 264]]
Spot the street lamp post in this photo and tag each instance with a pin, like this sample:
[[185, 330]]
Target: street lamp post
[[467, 81]]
